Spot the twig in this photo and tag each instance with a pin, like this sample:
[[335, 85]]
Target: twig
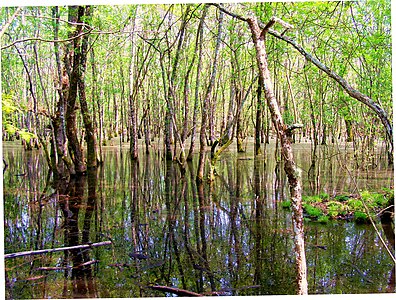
[[43, 251]]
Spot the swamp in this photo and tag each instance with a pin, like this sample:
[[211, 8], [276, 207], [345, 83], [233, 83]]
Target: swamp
[[215, 149]]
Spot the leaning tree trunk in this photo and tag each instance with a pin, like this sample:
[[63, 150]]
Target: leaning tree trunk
[[284, 134]]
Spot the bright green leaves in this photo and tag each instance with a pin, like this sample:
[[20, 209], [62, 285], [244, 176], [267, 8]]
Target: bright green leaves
[[10, 110], [7, 105]]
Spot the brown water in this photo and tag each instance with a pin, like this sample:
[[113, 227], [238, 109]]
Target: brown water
[[228, 238]]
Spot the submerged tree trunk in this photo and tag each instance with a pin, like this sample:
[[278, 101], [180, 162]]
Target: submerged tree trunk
[[284, 134]]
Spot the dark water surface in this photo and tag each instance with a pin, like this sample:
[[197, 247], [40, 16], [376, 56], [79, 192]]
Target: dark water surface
[[229, 238]]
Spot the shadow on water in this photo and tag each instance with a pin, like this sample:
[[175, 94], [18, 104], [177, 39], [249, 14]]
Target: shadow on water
[[231, 237]]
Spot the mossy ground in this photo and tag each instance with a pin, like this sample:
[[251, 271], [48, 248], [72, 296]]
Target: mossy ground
[[323, 208]]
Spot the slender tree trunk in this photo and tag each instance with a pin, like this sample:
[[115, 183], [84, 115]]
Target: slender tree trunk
[[258, 127], [380, 112], [60, 154], [284, 134], [90, 130], [205, 106], [171, 96], [239, 131], [72, 61], [199, 43], [132, 94]]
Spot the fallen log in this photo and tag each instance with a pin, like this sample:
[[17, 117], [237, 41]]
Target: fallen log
[[177, 291], [43, 251]]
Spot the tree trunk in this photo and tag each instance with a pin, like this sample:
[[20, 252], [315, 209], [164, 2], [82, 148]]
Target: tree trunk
[[72, 61], [258, 128], [60, 155], [90, 130], [205, 106], [284, 134], [380, 112], [132, 95], [199, 42]]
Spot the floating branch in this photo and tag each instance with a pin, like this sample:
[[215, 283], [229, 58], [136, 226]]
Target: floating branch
[[43, 251]]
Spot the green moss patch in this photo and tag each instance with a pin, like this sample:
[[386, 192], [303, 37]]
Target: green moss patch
[[322, 207]]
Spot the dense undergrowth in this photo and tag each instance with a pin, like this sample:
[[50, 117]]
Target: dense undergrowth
[[357, 207]]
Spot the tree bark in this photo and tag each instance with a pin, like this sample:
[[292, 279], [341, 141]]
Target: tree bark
[[284, 135], [205, 106], [258, 127], [90, 130], [72, 61], [199, 42], [132, 95]]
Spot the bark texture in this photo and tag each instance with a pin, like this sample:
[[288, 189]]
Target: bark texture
[[284, 134], [205, 106]]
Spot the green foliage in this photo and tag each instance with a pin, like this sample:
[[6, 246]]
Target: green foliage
[[374, 199], [341, 198], [323, 219], [324, 196], [286, 204], [355, 204], [312, 199], [312, 211], [360, 217], [9, 109], [336, 208], [26, 136]]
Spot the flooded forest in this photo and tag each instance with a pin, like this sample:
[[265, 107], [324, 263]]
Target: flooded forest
[[201, 149]]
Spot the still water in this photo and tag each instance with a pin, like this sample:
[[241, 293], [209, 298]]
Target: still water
[[231, 237]]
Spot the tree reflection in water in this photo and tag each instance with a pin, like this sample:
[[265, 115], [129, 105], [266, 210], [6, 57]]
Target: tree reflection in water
[[231, 237]]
